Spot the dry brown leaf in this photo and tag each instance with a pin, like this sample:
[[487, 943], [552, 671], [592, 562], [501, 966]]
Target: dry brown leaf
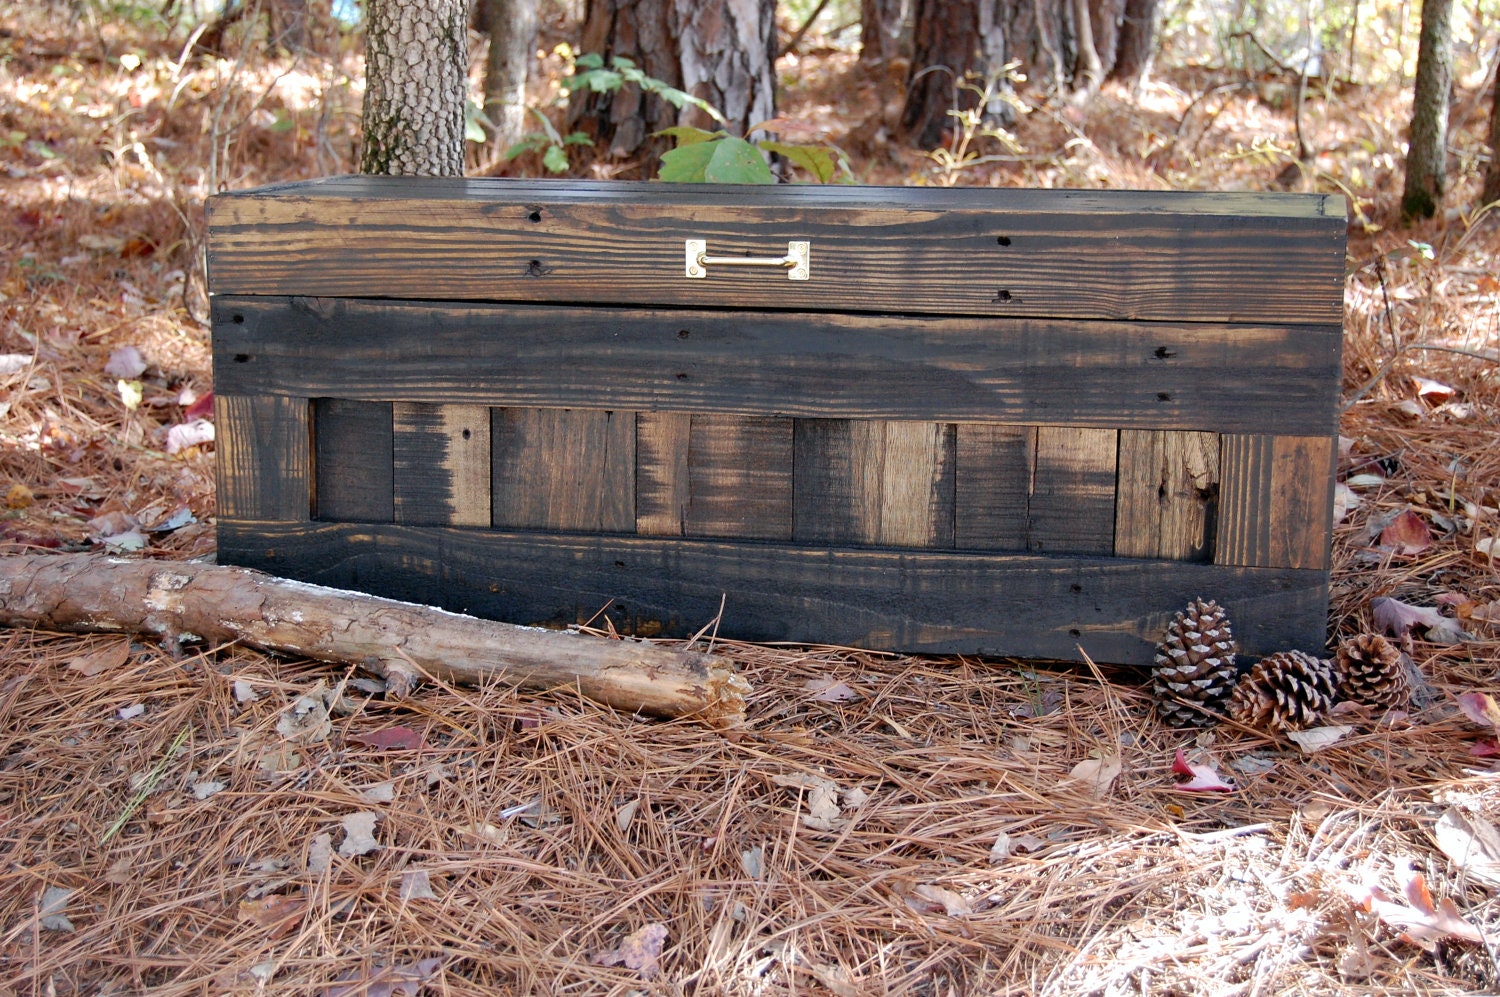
[[387, 981], [359, 834], [104, 659], [1096, 774], [836, 978], [928, 899], [1472, 843], [416, 885], [276, 913], [1317, 738], [641, 951], [831, 691], [1419, 920], [1408, 533]]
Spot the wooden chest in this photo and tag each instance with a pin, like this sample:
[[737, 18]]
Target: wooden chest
[[982, 421]]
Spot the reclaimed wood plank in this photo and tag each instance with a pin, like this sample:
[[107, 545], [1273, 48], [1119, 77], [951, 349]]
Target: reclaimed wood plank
[[1127, 255], [563, 469], [662, 491], [920, 601], [1167, 495], [994, 468], [1250, 378], [262, 457], [1072, 506], [873, 482], [1276, 501], [739, 478], [442, 464], [354, 465]]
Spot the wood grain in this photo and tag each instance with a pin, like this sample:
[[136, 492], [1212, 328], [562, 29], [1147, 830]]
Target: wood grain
[[1276, 501], [1072, 507], [1167, 495], [1248, 378], [873, 482], [442, 464], [563, 469], [1127, 255], [262, 456], [739, 478], [993, 474], [918, 601], [354, 466]]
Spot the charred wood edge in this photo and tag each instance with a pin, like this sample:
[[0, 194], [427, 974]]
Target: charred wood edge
[[186, 602]]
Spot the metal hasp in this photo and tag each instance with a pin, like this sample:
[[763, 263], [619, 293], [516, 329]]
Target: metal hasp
[[797, 262]]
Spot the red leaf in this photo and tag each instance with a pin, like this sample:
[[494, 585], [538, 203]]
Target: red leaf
[[1397, 618], [1408, 533], [1200, 778], [391, 739], [1485, 749], [203, 408]]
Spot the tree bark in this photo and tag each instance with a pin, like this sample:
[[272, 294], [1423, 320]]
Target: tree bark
[[401, 641], [1137, 41], [722, 51], [880, 30], [1088, 72], [511, 26], [1105, 16], [950, 40], [416, 73], [1426, 166], [1491, 192]]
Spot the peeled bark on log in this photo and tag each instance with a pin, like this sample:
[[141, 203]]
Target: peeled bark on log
[[398, 640]]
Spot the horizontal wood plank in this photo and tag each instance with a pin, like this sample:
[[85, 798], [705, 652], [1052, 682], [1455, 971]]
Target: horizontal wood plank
[[1126, 255], [915, 601], [1244, 379]]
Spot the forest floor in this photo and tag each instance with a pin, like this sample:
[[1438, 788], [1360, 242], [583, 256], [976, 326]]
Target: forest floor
[[881, 824]]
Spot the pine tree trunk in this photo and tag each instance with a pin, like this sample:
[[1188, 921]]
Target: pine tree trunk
[[880, 30], [416, 71], [1137, 41], [1426, 167], [721, 50], [1088, 72], [511, 25], [1105, 16], [1491, 192]]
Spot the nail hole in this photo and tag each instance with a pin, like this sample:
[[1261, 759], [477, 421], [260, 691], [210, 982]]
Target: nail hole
[[682, 334], [1075, 633], [237, 319], [468, 433], [1003, 240], [619, 564], [535, 216], [1002, 295], [242, 358], [1163, 396], [1075, 587], [1162, 353], [682, 377]]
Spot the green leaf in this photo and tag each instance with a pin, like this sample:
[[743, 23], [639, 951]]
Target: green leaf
[[817, 160], [283, 122], [686, 163], [578, 138], [555, 159], [736, 161], [531, 143], [687, 134], [590, 60], [620, 62], [1423, 249]]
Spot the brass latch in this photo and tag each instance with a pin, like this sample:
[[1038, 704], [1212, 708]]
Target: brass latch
[[797, 262]]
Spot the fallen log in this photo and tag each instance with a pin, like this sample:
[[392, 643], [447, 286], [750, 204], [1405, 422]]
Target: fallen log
[[190, 602]]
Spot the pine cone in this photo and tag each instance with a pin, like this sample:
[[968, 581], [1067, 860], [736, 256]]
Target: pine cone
[[1289, 690], [1194, 665], [1373, 673]]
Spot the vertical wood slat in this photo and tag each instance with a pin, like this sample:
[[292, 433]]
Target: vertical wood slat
[[873, 482], [262, 457], [563, 469], [1072, 509], [441, 457], [353, 464], [1276, 501], [739, 477], [1166, 496], [661, 473], [992, 486]]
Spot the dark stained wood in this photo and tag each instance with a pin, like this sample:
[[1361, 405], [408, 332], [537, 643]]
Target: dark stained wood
[[1167, 495], [873, 482], [1072, 507], [564, 469], [1246, 379], [994, 467], [739, 478], [910, 600], [442, 464], [262, 457], [353, 465], [1276, 501], [1126, 255], [661, 472]]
